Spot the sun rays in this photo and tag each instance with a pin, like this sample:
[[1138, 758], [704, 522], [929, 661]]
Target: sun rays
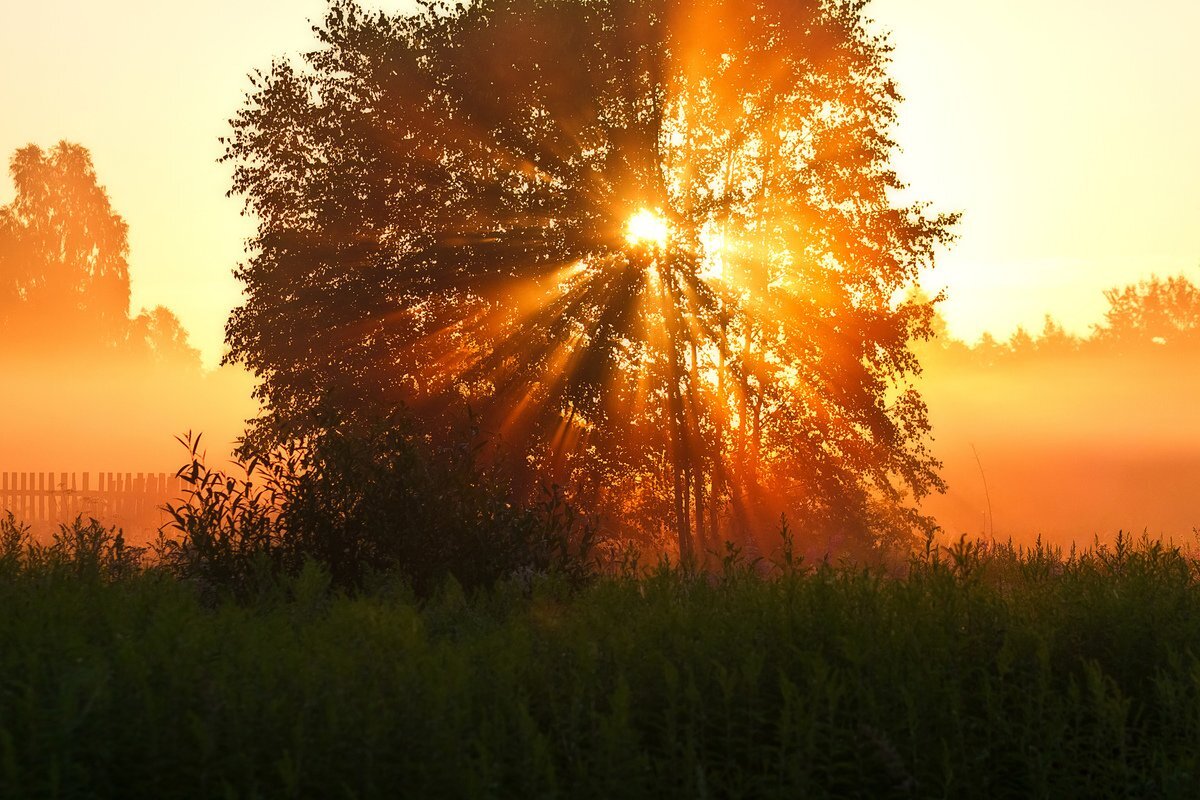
[[651, 264]]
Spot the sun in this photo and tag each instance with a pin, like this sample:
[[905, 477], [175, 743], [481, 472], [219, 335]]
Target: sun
[[648, 228]]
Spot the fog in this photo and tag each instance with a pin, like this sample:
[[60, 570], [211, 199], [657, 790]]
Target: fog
[[86, 383], [1070, 441], [1070, 447], [71, 415]]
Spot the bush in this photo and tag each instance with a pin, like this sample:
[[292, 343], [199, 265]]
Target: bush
[[366, 499], [91, 550], [15, 543]]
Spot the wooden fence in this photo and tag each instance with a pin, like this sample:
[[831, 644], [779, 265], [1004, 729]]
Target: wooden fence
[[127, 499]]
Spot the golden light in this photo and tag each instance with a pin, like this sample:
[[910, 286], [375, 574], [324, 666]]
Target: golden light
[[712, 243], [646, 227]]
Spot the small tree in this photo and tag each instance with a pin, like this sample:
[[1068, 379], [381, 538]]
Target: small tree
[[1054, 339], [158, 334]]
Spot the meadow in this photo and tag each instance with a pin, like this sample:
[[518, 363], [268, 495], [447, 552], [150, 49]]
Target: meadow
[[977, 670]]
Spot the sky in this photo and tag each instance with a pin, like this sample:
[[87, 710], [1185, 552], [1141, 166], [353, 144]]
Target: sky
[[1067, 136], [1066, 132]]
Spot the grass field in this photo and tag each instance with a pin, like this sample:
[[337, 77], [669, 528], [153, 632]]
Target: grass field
[[981, 672]]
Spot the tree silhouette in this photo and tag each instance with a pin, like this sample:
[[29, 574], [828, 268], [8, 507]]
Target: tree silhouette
[[64, 275], [1054, 339], [1157, 311], [62, 250], [651, 243], [158, 334]]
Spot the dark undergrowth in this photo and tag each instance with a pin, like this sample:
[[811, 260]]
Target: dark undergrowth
[[364, 501], [984, 671]]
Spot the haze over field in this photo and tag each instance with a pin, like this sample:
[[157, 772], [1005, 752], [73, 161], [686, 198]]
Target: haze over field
[[1070, 447]]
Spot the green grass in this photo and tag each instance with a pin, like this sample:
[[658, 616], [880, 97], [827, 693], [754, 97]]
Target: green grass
[[986, 673]]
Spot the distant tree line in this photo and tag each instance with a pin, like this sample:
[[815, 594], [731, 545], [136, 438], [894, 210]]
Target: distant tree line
[[1153, 315]]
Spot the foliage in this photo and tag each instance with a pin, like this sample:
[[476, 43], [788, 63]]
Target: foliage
[[985, 671], [62, 248], [15, 543], [158, 333], [362, 502], [224, 535], [444, 200]]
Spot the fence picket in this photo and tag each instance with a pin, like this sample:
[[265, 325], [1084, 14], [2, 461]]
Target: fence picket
[[124, 499]]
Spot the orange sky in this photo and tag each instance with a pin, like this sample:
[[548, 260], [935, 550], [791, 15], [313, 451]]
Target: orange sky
[[1067, 133], [1067, 136]]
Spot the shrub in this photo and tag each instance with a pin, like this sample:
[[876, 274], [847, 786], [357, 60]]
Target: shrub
[[91, 550], [366, 499], [83, 549]]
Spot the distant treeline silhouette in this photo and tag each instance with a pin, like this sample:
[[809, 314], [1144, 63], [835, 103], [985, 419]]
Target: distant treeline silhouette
[[1079, 436], [1155, 315]]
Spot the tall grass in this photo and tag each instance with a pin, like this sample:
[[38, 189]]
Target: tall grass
[[983, 671]]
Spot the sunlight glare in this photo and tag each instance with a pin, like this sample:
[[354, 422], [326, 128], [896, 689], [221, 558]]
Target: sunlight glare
[[646, 227]]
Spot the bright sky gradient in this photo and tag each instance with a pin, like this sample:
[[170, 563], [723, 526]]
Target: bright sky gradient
[[1069, 136]]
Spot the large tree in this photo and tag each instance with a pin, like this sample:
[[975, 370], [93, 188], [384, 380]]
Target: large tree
[[653, 244]]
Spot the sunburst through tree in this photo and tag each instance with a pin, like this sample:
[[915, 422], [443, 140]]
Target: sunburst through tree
[[653, 244]]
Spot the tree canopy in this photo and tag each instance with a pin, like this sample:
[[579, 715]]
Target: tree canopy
[[654, 245]]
